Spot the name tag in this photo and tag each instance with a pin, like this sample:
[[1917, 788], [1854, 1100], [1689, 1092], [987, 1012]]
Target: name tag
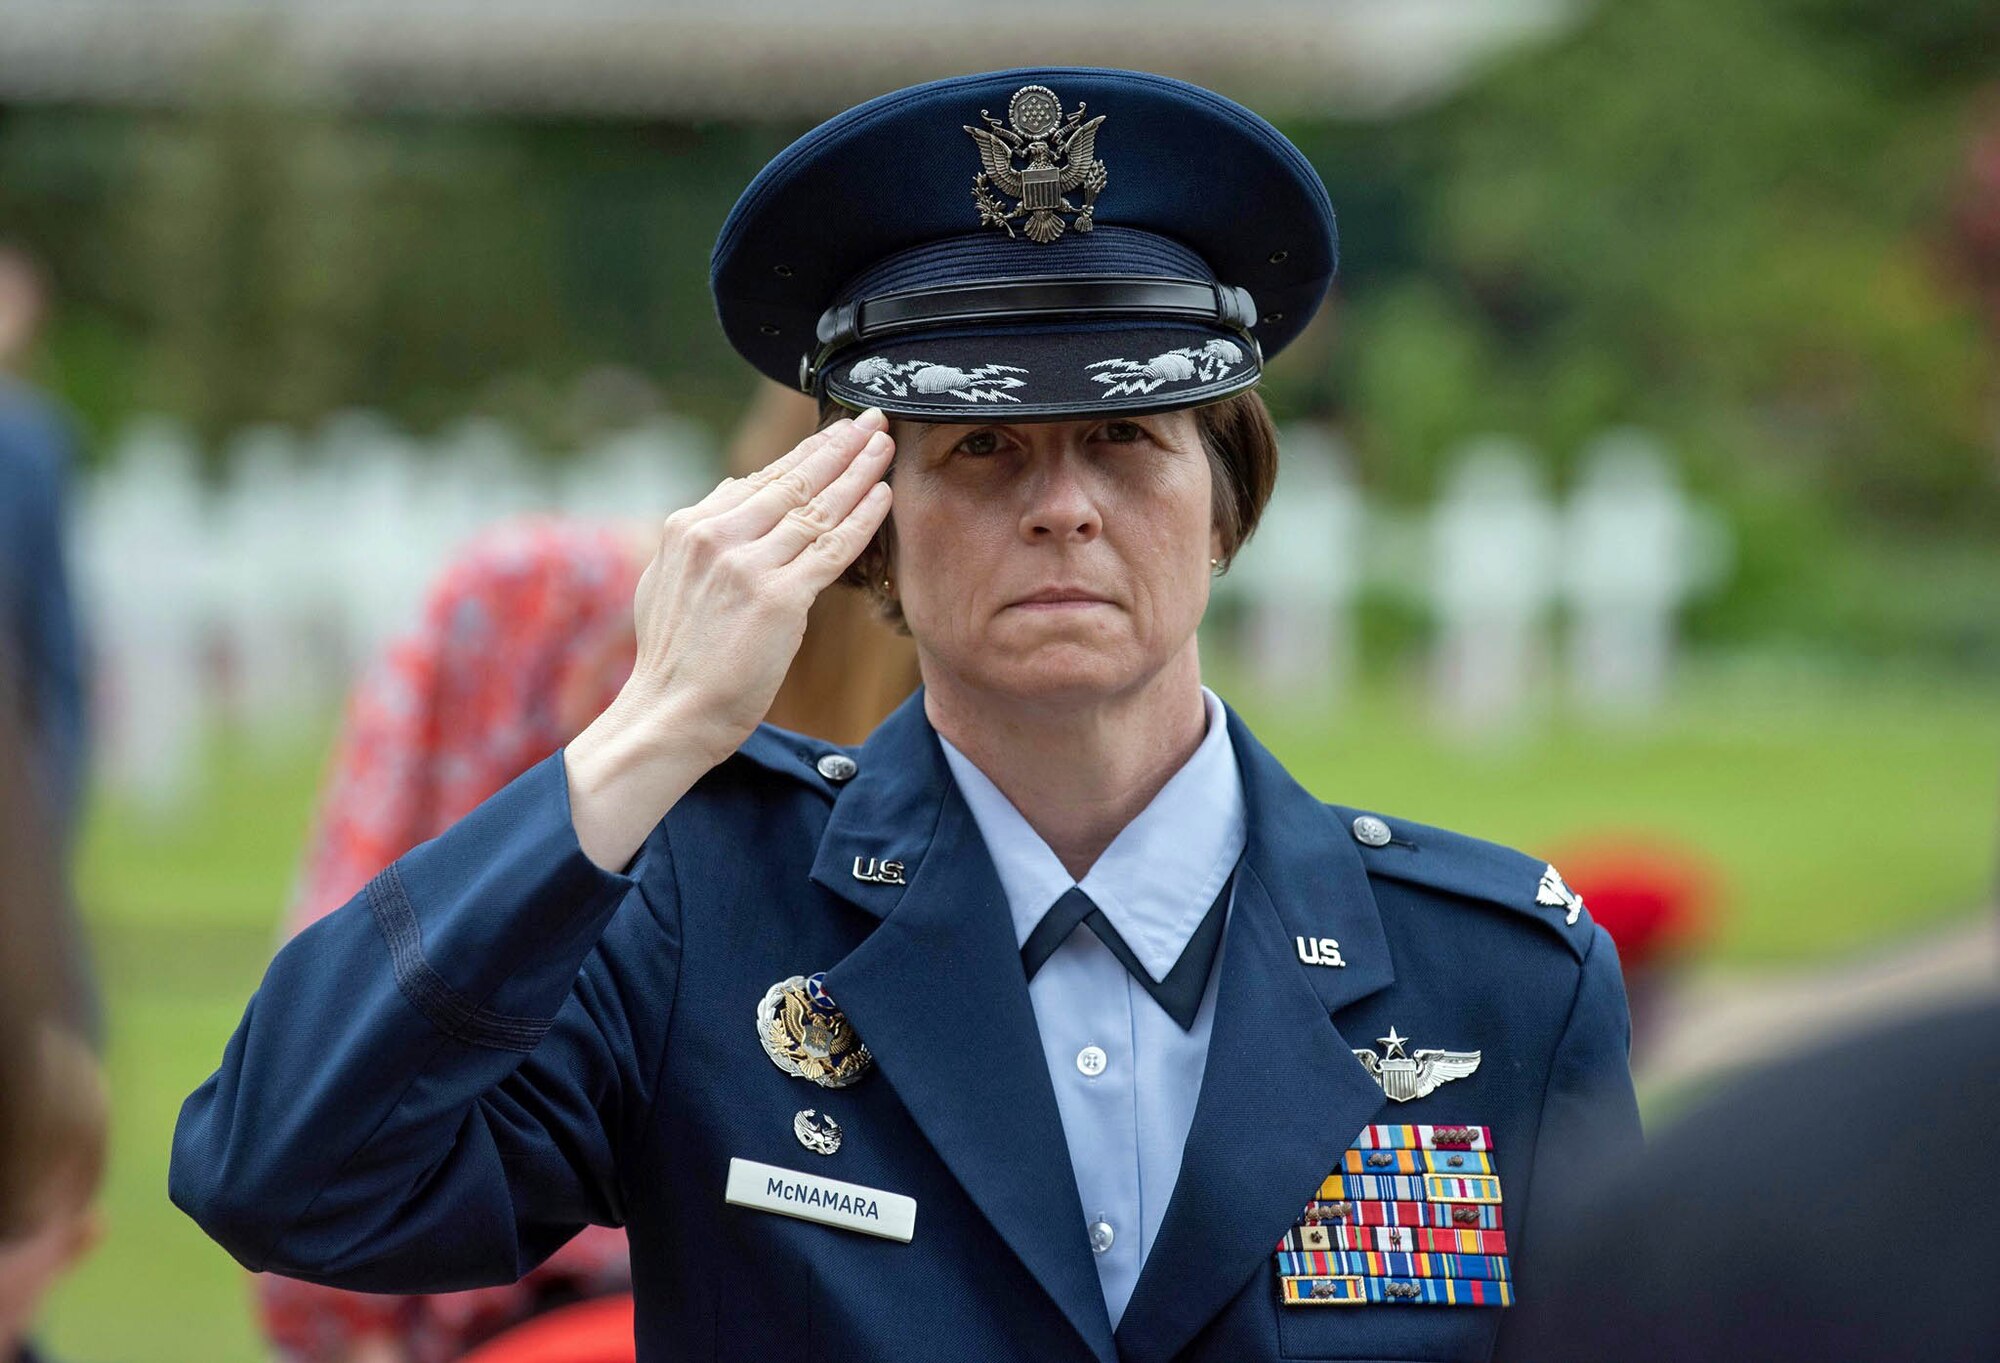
[[828, 1201]]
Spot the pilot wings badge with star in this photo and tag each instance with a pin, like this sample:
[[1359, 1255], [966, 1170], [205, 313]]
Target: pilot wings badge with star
[[1403, 1078], [1038, 157]]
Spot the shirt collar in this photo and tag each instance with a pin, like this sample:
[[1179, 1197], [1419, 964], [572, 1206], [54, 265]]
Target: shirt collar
[[1160, 874]]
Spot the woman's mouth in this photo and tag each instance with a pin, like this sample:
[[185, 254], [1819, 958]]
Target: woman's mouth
[[1060, 598]]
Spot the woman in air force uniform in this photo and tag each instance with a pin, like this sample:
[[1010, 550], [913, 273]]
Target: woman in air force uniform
[[1056, 1021]]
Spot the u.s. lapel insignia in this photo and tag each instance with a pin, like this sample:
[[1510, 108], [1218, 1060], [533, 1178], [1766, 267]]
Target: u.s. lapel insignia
[[876, 871], [1404, 1077], [807, 1037], [1060, 155], [1319, 951], [1552, 893]]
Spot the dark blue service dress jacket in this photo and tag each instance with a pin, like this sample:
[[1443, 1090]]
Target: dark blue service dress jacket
[[498, 1042]]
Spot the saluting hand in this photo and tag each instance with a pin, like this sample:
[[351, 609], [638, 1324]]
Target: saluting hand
[[720, 613]]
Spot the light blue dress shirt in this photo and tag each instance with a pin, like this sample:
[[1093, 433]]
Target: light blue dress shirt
[[1126, 1076]]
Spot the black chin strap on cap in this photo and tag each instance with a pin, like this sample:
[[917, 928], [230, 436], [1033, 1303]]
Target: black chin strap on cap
[[1000, 301]]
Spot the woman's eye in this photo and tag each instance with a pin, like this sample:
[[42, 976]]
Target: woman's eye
[[979, 442]]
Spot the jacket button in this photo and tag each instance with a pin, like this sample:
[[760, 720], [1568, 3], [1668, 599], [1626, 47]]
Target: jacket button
[[836, 766], [1370, 831]]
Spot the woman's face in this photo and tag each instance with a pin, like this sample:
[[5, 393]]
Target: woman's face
[[1063, 560]]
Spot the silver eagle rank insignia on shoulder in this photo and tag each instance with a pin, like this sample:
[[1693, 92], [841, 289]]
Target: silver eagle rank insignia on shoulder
[[1060, 152], [1404, 1077], [807, 1037], [1553, 893]]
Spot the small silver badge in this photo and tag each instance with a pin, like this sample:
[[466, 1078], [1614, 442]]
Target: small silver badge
[[1403, 1078], [821, 1135], [1319, 951], [1059, 156], [1552, 893]]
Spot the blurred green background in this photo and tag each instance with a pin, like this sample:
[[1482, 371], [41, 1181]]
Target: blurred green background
[[1769, 232]]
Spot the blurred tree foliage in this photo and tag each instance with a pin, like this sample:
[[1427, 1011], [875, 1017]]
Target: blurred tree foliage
[[1731, 223], [1727, 221], [262, 255]]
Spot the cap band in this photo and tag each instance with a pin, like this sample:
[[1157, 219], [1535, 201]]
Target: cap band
[[1071, 297]]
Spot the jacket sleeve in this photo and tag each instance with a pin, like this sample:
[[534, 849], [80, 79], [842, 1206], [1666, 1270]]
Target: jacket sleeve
[[1590, 1119], [427, 1090]]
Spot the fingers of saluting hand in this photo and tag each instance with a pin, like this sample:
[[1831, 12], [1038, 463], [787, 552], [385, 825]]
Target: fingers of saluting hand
[[786, 487], [803, 523], [848, 434], [825, 557]]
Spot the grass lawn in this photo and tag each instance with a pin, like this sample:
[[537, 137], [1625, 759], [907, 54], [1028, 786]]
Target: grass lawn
[[1839, 813]]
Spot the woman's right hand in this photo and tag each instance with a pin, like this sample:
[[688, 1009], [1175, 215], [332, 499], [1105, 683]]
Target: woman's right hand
[[720, 612]]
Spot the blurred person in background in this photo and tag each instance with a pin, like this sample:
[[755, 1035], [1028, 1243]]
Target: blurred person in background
[[39, 646], [33, 943], [1823, 1208], [52, 1107], [38, 628], [527, 636], [55, 1222]]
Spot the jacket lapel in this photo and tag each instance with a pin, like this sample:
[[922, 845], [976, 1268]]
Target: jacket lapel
[[1282, 1094], [945, 950]]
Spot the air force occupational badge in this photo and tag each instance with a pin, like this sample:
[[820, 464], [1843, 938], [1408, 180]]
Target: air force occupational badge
[[1403, 1078], [807, 1037], [1060, 152]]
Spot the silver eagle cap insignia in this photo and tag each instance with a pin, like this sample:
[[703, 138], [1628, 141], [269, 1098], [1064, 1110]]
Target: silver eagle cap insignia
[[1403, 1077], [1038, 157]]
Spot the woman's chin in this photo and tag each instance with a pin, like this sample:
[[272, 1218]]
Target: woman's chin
[[1061, 670]]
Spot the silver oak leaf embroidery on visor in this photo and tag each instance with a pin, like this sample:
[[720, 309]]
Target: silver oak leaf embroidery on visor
[[987, 383], [1206, 363]]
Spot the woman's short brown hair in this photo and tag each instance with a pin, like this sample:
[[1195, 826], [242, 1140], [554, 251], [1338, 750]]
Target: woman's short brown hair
[[1242, 445]]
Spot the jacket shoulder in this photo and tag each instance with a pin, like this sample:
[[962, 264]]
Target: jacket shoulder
[[786, 759], [775, 789], [1470, 868]]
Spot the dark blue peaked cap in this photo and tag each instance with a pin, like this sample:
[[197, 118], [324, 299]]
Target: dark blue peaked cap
[[1045, 242]]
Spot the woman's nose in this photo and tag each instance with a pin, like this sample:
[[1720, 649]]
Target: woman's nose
[[1062, 505]]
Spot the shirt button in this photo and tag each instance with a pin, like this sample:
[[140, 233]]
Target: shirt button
[[1101, 1236], [1091, 1060]]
